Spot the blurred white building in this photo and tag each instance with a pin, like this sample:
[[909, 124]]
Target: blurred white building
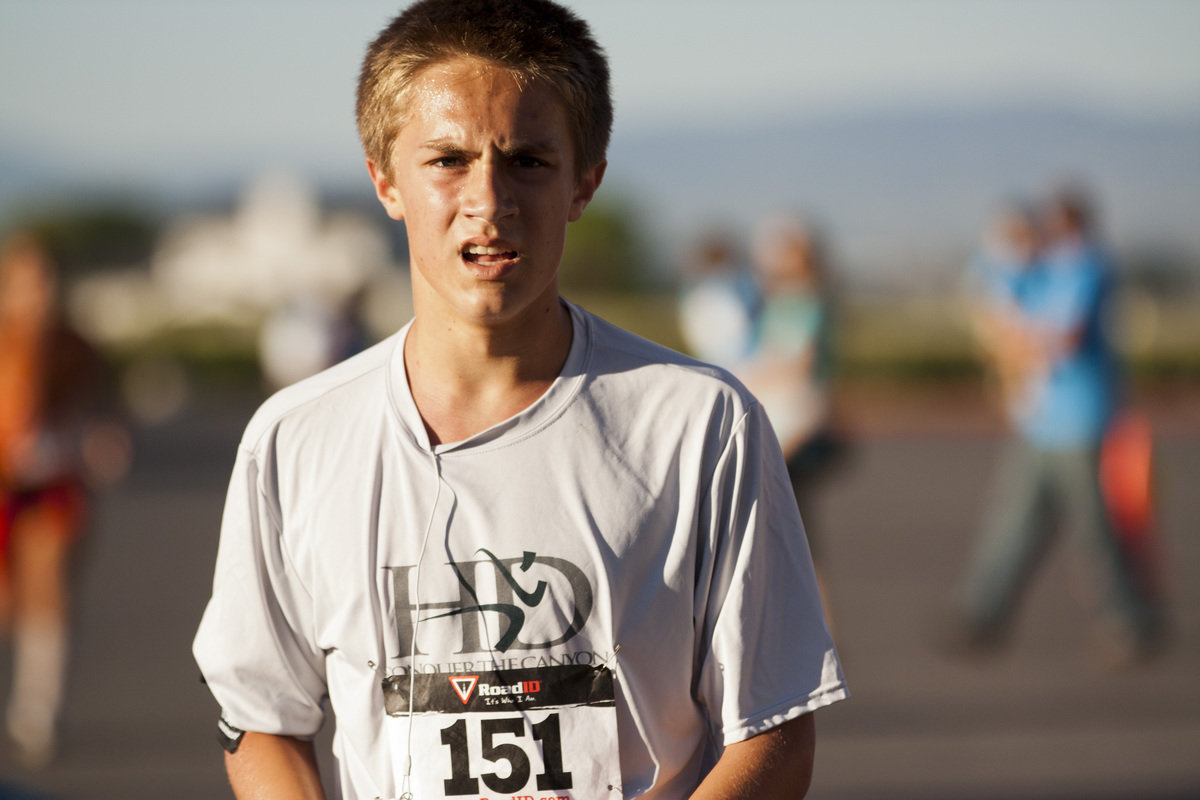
[[295, 279], [277, 248]]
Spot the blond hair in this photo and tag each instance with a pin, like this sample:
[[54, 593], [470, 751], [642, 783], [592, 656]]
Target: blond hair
[[537, 40]]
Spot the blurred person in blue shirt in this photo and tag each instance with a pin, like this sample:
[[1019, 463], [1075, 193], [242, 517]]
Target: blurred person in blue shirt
[[1043, 287]]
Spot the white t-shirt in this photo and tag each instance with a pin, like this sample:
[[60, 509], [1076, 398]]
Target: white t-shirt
[[636, 520]]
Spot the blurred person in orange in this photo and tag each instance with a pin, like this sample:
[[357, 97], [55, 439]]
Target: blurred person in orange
[[791, 367], [1043, 285], [51, 446]]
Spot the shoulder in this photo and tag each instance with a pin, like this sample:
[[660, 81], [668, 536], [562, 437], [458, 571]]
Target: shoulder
[[646, 373], [1081, 267], [617, 348], [337, 394], [1082, 257]]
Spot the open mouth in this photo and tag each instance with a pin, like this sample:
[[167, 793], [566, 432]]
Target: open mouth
[[488, 256]]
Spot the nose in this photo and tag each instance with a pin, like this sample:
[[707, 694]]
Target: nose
[[488, 194]]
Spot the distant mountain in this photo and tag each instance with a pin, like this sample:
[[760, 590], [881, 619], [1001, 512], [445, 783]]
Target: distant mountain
[[902, 192], [908, 189], [24, 172]]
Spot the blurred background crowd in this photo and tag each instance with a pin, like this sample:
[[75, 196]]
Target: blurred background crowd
[[863, 210]]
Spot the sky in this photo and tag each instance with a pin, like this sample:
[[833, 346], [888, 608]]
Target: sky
[[171, 90]]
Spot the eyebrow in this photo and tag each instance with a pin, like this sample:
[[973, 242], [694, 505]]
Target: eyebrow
[[452, 148]]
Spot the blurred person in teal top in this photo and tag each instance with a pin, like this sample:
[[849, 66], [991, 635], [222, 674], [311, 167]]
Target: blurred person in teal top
[[791, 368], [1043, 289]]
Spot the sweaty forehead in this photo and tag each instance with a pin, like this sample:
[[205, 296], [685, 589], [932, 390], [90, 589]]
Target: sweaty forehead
[[467, 96]]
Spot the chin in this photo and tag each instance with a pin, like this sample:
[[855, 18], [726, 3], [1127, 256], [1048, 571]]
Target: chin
[[492, 310]]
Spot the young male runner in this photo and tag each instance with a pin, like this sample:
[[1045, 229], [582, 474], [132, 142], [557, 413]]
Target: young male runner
[[519, 552]]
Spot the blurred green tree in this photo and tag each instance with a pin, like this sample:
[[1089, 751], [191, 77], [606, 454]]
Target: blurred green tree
[[92, 236], [605, 251]]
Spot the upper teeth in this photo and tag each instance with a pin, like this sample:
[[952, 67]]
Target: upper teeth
[[481, 250]]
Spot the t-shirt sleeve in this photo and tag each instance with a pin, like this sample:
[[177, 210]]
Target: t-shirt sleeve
[[254, 647], [765, 653]]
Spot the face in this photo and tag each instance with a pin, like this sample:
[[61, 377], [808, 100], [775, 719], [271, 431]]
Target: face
[[483, 175], [786, 258], [1018, 237]]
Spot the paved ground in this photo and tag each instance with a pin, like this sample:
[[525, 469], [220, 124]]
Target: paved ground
[[1041, 722]]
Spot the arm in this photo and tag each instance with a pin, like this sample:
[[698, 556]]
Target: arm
[[1010, 346], [267, 767], [768, 646], [774, 764], [1071, 307], [255, 650]]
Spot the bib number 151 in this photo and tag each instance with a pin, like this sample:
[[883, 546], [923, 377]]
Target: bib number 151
[[504, 739], [542, 733]]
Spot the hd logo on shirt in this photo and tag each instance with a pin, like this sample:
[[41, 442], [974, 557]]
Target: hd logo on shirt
[[528, 603]]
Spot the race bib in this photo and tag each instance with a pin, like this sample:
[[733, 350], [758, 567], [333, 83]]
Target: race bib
[[548, 733]]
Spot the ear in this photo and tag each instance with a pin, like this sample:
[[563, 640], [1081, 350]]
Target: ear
[[585, 189], [386, 191]]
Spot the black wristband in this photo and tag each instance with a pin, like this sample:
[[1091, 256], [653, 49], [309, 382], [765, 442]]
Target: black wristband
[[229, 736]]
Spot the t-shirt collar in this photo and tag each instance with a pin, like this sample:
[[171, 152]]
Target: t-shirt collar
[[541, 413]]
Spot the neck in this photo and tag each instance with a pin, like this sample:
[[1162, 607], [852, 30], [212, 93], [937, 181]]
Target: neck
[[465, 377]]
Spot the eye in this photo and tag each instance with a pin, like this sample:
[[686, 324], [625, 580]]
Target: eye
[[528, 162], [447, 162]]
